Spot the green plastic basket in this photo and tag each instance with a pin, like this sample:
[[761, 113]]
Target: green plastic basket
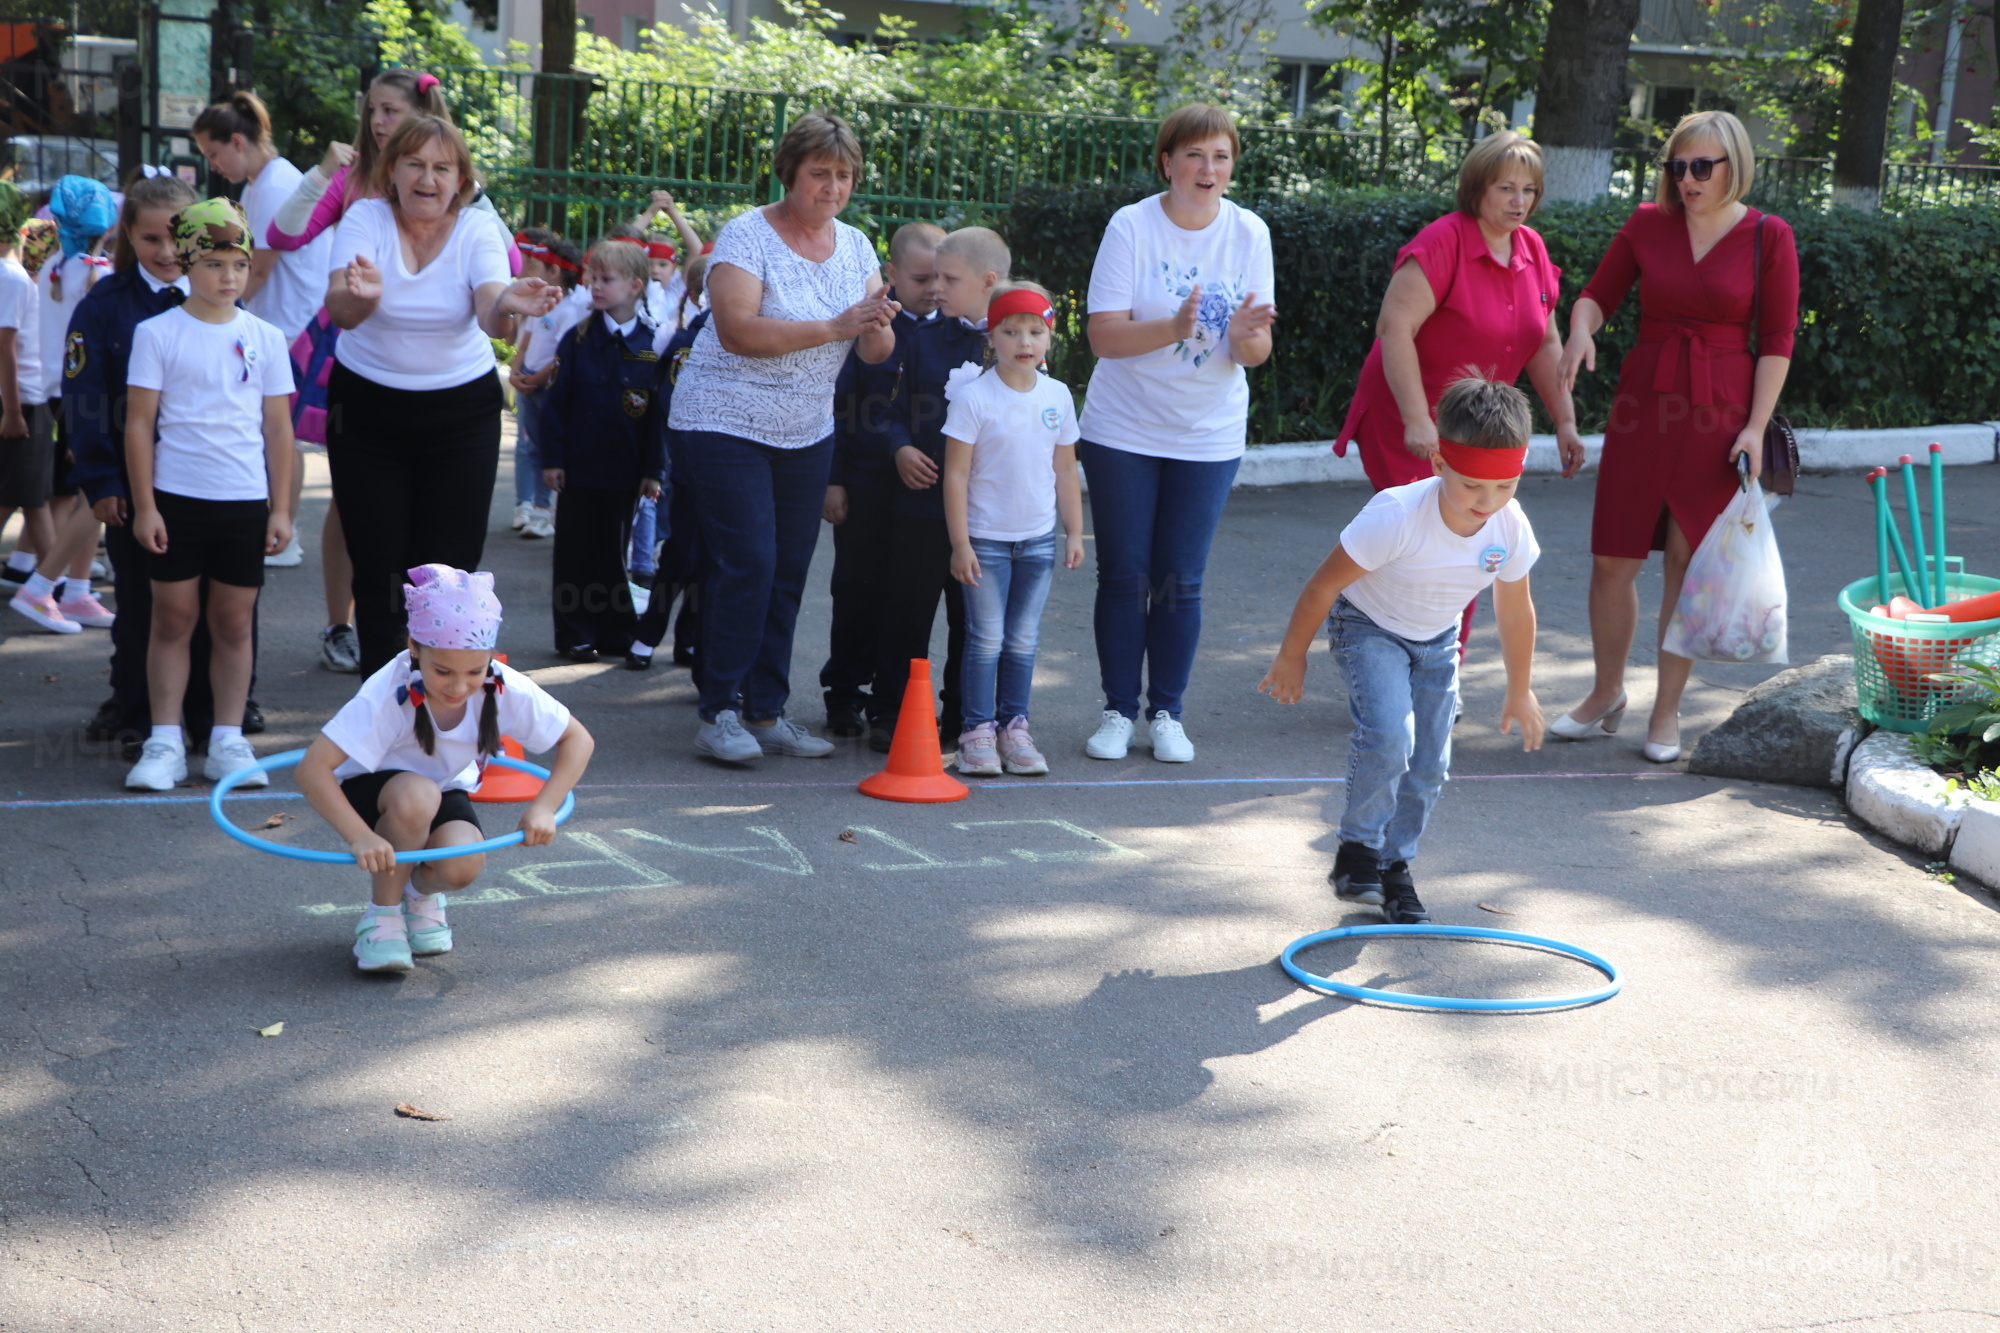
[[1894, 659]]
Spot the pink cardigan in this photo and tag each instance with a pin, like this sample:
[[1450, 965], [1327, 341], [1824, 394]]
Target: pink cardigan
[[328, 211]]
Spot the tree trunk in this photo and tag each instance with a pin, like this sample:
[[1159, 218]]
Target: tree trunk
[[1582, 92], [1867, 84], [558, 116], [1382, 143]]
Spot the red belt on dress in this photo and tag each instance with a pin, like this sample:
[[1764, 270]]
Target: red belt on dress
[[1700, 340]]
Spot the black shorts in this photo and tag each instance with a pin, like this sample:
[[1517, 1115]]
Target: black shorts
[[27, 462], [222, 540], [65, 474], [364, 793]]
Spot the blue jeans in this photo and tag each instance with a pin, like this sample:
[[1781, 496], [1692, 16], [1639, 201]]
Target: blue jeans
[[645, 522], [759, 509], [1154, 519], [528, 487], [1003, 623], [1400, 695]]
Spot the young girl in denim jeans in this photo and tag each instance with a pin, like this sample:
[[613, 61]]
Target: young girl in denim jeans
[[1009, 470], [1391, 595]]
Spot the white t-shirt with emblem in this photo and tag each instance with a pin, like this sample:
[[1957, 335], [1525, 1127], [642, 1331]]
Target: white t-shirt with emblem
[[1011, 493], [20, 310], [213, 380], [1188, 400], [1421, 573], [377, 728]]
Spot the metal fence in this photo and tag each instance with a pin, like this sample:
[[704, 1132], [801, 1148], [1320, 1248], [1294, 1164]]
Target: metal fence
[[578, 152]]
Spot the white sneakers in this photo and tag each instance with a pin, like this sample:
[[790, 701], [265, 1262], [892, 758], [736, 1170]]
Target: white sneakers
[[540, 523], [292, 556], [729, 740], [226, 756], [1114, 737], [162, 766]]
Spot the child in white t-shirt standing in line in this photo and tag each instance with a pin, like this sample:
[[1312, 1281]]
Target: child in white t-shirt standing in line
[[1009, 471], [208, 445], [27, 439], [554, 260], [1396, 586]]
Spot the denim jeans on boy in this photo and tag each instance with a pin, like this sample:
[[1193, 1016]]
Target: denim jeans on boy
[[1400, 695], [759, 509], [1003, 623], [1154, 519], [645, 522], [528, 487]]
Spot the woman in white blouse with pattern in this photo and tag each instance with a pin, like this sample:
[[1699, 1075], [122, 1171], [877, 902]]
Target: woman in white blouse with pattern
[[790, 289]]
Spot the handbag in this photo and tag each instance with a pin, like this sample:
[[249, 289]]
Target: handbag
[[1781, 442]]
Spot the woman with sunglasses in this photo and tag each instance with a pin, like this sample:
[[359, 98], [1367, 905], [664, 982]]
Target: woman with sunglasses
[[1689, 398]]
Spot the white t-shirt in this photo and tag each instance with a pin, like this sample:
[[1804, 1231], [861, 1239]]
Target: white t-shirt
[[292, 294], [1188, 400], [424, 334], [1011, 493], [21, 311], [377, 731], [782, 401], [78, 276], [1421, 573], [546, 331], [213, 380]]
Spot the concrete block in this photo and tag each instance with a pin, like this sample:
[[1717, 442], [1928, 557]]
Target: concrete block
[[1888, 790], [1976, 849], [1848, 450]]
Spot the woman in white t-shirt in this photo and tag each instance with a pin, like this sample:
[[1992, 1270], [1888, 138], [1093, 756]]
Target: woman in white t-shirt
[[1179, 306], [285, 285], [419, 286], [790, 288]]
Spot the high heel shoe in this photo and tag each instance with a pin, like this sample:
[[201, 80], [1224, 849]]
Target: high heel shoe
[[1657, 753], [1567, 727]]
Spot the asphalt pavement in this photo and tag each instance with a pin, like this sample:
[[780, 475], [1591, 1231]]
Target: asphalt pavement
[[748, 1050]]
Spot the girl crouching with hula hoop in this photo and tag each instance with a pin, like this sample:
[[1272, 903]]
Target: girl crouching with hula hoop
[[395, 768]]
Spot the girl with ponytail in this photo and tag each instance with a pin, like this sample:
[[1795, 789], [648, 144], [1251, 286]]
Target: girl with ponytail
[[395, 768]]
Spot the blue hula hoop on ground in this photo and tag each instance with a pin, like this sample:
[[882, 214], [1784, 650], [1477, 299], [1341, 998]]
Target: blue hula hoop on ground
[[291, 757], [1313, 981]]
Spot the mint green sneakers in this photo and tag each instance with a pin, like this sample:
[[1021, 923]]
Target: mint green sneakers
[[423, 915], [382, 943]]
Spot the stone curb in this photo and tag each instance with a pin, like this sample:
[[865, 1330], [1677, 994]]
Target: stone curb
[[1888, 790], [1819, 451]]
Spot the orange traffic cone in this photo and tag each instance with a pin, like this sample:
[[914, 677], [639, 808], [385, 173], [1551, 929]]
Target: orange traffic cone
[[915, 771], [500, 786]]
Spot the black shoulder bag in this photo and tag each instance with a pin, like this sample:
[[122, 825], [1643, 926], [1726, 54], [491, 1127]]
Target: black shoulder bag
[[1781, 443]]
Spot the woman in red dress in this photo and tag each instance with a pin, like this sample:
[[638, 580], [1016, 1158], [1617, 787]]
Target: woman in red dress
[[1472, 293], [1689, 400]]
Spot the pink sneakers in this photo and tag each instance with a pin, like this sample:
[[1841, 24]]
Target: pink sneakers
[[1018, 752], [42, 609], [86, 610], [976, 755]]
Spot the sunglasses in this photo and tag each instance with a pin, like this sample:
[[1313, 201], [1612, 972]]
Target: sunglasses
[[1701, 168]]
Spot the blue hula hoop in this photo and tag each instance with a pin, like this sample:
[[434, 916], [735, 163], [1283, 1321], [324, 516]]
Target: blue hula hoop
[[291, 757], [1314, 981]]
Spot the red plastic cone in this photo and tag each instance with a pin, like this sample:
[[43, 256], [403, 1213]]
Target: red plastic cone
[[502, 786], [915, 771]]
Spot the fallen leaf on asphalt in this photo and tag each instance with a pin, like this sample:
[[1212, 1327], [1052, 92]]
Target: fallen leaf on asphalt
[[847, 835], [275, 820], [1489, 907], [271, 1031], [409, 1112], [50, 680]]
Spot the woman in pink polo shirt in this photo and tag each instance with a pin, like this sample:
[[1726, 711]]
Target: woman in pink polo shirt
[[1474, 292]]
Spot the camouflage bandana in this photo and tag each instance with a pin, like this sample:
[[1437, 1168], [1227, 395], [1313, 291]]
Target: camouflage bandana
[[212, 224], [14, 209], [39, 239]]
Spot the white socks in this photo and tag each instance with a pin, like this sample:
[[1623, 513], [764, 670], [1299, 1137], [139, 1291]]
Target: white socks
[[22, 562], [171, 735], [72, 588], [220, 733], [37, 586]]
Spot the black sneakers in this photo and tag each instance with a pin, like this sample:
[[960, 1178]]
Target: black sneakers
[[1356, 875], [1401, 906]]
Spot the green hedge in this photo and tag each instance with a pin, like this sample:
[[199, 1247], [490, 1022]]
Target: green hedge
[[1899, 314]]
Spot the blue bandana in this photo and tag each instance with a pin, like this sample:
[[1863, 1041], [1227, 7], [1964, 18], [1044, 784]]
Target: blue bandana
[[83, 212]]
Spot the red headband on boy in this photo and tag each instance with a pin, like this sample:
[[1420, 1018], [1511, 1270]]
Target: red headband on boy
[[543, 254], [1483, 464], [1020, 301]]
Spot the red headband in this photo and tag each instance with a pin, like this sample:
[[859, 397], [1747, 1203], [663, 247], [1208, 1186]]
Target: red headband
[[1483, 464], [1020, 301], [543, 254], [660, 250]]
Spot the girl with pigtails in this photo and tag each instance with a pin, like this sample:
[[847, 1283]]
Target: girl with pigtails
[[395, 769]]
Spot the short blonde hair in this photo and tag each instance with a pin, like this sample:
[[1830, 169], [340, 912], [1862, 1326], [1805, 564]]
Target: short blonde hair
[[1489, 159], [414, 133], [1484, 414], [1193, 123], [982, 248], [914, 236], [816, 134], [621, 257], [1727, 133]]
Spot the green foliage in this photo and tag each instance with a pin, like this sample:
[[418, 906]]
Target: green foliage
[[1882, 296], [1965, 737]]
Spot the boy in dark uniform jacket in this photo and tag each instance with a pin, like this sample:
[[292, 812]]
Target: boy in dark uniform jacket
[[679, 533], [603, 438], [861, 491], [971, 262]]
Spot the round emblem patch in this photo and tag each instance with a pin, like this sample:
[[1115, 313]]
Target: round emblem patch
[[73, 357], [1051, 418], [635, 403], [1492, 558]]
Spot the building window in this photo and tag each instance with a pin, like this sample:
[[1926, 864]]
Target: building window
[[1303, 84], [629, 38]]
